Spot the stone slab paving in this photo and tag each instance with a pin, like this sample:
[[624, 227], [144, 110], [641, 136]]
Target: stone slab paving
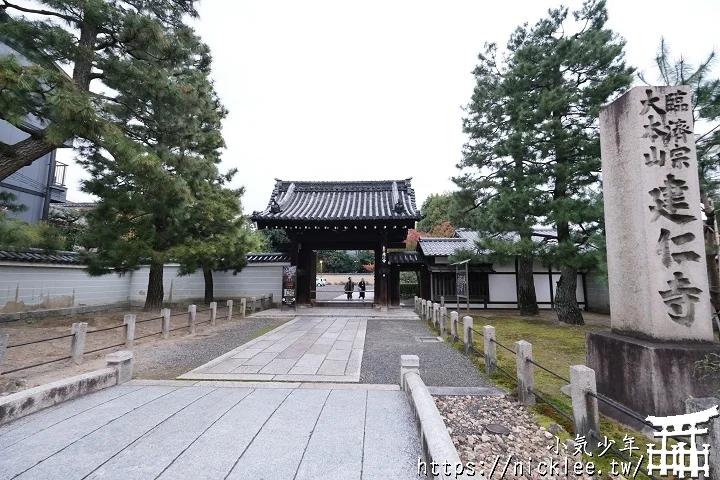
[[307, 349], [203, 432]]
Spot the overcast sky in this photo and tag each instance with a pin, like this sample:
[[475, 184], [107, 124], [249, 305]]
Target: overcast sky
[[372, 90]]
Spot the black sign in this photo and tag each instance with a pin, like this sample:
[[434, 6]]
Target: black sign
[[461, 283], [289, 284]]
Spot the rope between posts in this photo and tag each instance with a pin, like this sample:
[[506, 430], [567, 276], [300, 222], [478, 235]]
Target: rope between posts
[[625, 457], [554, 407], [105, 329], [40, 341], [178, 328], [148, 335], [479, 333], [507, 373], [148, 320], [36, 365], [503, 346], [623, 409], [105, 348], [178, 314], [548, 371]]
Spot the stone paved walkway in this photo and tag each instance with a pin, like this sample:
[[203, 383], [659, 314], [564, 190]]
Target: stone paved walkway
[[201, 432], [307, 349]]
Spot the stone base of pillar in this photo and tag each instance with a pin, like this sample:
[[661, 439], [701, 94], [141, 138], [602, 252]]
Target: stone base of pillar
[[647, 377]]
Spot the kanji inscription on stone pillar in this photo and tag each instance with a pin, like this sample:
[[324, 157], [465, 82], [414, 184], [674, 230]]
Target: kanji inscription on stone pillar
[[653, 218]]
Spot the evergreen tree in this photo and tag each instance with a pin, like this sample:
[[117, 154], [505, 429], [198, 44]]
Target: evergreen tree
[[148, 187], [110, 48], [566, 78], [435, 211]]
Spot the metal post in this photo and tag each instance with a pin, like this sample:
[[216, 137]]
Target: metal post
[[213, 313], [243, 307], [229, 307], [129, 322], [165, 312], [77, 345], [585, 407], [490, 350], [454, 326], [467, 334], [525, 372], [192, 311]]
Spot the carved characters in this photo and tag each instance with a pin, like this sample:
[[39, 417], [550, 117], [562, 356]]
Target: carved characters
[[668, 201]]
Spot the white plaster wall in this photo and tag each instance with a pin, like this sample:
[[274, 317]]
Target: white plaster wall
[[502, 288], [542, 287], [58, 286], [254, 280]]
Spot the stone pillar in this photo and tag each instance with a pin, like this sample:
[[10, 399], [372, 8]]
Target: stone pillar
[[436, 314], [525, 372], [490, 349], [213, 313], [408, 363], [122, 362], [270, 299], [165, 312], [192, 312], [77, 345], [585, 407], [442, 300], [129, 322], [243, 307], [253, 301], [443, 320], [712, 437], [4, 338], [467, 334], [653, 217], [454, 326], [661, 322], [229, 307]]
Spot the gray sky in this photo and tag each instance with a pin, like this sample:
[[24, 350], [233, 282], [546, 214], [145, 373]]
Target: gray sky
[[339, 90]]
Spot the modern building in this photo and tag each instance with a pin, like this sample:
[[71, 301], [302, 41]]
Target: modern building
[[39, 185]]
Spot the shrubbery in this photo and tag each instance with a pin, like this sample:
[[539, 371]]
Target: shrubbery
[[409, 289]]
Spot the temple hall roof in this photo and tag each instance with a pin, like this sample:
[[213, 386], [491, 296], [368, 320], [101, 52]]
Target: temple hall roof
[[390, 200]]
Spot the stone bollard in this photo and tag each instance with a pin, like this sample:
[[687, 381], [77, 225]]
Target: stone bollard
[[585, 407], [436, 315], [425, 310], [4, 339], [408, 363], [165, 312], [467, 334], [129, 322], [712, 437], [77, 346], [213, 313], [442, 300], [192, 312], [270, 297], [253, 301], [454, 326], [229, 306], [243, 307], [122, 362], [525, 372], [443, 321], [490, 349]]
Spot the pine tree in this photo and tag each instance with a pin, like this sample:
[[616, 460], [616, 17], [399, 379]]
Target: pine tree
[[566, 78], [148, 186], [111, 48]]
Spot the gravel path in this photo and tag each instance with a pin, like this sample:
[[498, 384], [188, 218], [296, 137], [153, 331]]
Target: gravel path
[[168, 360], [440, 363], [466, 418]]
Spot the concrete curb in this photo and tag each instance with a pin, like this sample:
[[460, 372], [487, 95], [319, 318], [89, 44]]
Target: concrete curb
[[35, 399], [437, 446]]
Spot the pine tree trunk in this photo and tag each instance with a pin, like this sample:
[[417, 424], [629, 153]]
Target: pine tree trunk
[[566, 306], [155, 292], [207, 274], [527, 300]]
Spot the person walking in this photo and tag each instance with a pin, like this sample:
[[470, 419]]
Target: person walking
[[349, 287], [361, 286]]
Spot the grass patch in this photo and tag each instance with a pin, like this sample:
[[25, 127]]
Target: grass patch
[[262, 331], [556, 347]]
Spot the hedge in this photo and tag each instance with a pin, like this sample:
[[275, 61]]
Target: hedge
[[409, 289]]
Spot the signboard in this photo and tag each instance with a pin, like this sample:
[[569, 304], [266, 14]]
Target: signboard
[[289, 286], [461, 283]]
